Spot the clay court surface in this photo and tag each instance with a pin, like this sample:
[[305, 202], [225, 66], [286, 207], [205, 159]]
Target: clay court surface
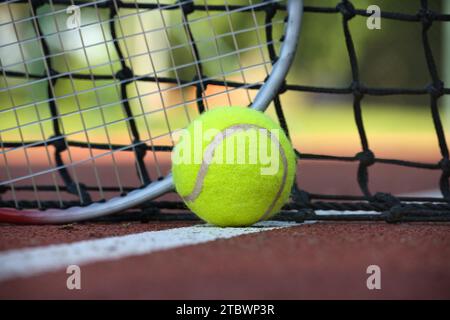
[[275, 260], [304, 261]]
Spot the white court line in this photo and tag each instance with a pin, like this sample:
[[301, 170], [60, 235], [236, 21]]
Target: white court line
[[336, 212], [32, 261], [424, 193]]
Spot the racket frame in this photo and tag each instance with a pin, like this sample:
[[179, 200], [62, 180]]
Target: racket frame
[[265, 95]]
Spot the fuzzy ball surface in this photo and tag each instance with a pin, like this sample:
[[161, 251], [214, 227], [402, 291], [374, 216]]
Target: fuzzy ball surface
[[234, 166]]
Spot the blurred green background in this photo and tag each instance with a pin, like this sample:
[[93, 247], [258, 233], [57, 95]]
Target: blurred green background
[[393, 57]]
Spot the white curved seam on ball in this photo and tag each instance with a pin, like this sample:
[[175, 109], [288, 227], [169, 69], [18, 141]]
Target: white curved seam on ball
[[283, 179], [209, 153]]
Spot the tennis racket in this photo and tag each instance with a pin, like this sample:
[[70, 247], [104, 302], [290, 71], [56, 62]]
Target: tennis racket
[[94, 93]]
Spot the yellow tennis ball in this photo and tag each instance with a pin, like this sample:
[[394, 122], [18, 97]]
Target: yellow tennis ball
[[234, 166]]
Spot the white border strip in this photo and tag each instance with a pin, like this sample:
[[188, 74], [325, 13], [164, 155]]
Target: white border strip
[[32, 261], [446, 71]]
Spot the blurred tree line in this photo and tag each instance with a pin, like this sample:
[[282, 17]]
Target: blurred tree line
[[391, 57]]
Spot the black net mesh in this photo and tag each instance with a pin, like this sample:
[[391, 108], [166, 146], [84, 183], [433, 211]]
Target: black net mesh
[[304, 205]]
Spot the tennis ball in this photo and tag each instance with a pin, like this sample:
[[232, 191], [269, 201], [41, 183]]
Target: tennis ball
[[233, 166]]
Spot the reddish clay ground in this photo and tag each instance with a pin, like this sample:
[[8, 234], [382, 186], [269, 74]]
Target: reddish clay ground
[[323, 260], [22, 236]]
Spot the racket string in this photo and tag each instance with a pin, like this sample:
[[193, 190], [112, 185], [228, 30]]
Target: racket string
[[63, 139]]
